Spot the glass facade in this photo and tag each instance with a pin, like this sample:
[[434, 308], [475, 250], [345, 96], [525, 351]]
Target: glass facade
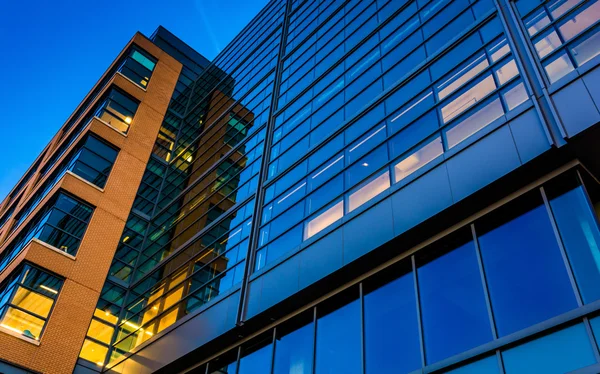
[[454, 297], [60, 223], [26, 301]]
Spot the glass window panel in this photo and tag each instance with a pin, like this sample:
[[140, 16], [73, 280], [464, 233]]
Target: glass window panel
[[475, 122], [559, 7], [595, 323], [537, 21], [392, 328], [519, 240], [362, 146], [547, 43], [488, 365], [499, 50], [369, 191], [259, 361], [22, 323], [587, 48], [366, 166], [93, 352], [453, 307], [578, 229], [507, 71], [32, 302], [225, 364], [324, 219], [462, 76], [418, 159], [338, 341], [325, 194], [324, 173], [100, 331], [558, 67], [294, 351], [561, 352], [515, 96], [468, 99], [582, 20]]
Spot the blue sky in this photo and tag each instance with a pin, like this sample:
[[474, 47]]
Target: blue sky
[[53, 51]]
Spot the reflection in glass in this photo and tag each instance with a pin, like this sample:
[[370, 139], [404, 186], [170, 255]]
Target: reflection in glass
[[462, 76], [587, 48], [474, 123], [561, 352], [525, 247], [499, 50], [515, 96], [323, 220], [547, 43], [453, 307], [582, 20], [294, 351], [93, 352], [558, 67], [257, 362], [559, 7], [468, 99], [579, 232], [391, 328], [507, 71], [369, 191], [537, 21], [338, 341], [418, 159]]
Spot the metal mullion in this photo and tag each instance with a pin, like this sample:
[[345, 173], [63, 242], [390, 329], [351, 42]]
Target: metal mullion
[[486, 293], [591, 337], [362, 329], [10, 305], [561, 247], [314, 353], [498, 355], [418, 306], [273, 346]]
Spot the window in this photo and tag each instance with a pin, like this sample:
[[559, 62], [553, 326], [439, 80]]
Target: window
[[61, 224], [338, 347], [26, 300], [138, 66], [579, 231], [391, 324], [117, 109], [324, 219], [453, 306], [518, 239], [560, 352], [294, 349]]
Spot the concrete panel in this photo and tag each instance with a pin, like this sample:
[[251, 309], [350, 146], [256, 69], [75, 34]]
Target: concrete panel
[[482, 163], [529, 135], [423, 198], [576, 108], [321, 258], [369, 230]]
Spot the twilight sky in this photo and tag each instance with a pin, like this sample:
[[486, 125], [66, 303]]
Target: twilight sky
[[53, 51]]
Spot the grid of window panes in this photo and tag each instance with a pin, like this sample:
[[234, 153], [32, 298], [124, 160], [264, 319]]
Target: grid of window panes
[[138, 66], [26, 300], [327, 164], [564, 33], [92, 160], [455, 296], [61, 223]]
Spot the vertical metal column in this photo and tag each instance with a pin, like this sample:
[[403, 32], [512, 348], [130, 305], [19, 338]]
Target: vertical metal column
[[532, 76], [253, 240]]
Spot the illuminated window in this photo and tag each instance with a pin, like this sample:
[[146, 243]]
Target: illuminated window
[[26, 300], [418, 159], [323, 220], [138, 66], [117, 109], [369, 191]]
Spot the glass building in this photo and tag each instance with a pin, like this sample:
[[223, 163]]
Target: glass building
[[374, 186]]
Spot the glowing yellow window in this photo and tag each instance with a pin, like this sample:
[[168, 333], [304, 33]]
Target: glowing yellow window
[[93, 352], [100, 331], [106, 316], [167, 320], [22, 323], [32, 301]]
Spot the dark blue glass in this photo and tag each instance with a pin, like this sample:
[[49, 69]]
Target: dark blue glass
[[579, 232], [488, 365], [527, 279], [453, 308], [257, 362], [338, 341], [294, 352], [392, 328], [561, 352]]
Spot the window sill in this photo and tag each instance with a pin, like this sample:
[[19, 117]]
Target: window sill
[[110, 126], [84, 181], [137, 85], [71, 257], [20, 336]]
